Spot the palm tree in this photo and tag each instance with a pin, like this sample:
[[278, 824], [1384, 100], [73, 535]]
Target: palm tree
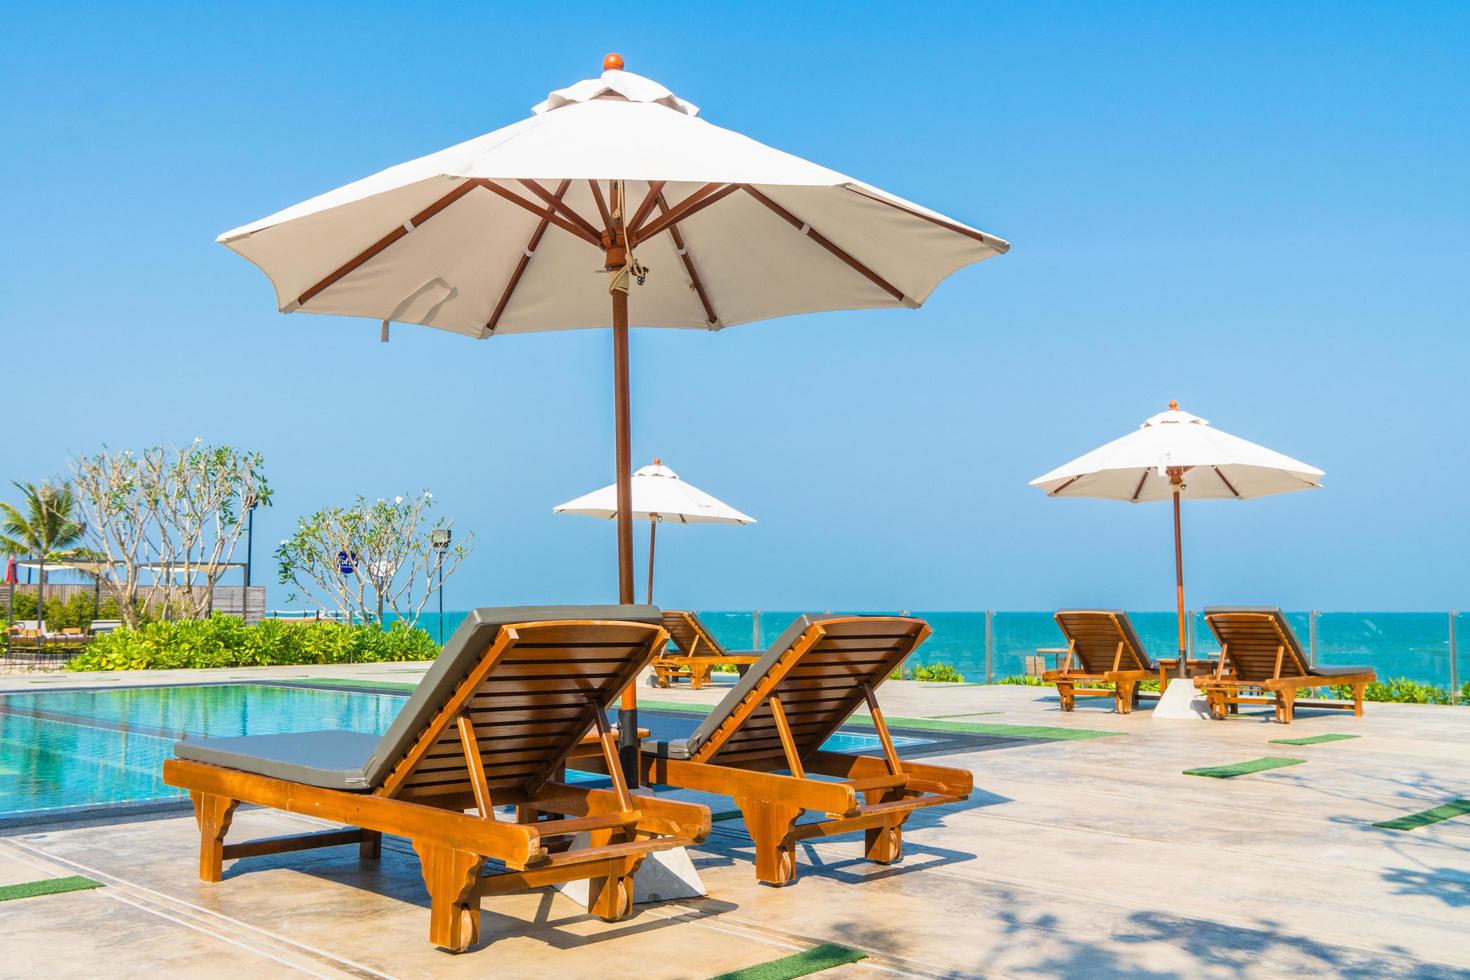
[[45, 526]]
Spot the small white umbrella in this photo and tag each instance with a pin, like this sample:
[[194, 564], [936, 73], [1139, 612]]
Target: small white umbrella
[[658, 495], [1176, 455]]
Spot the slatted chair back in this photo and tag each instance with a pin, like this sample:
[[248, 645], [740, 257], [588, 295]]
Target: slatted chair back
[[1095, 635], [690, 635], [523, 694], [815, 675], [1257, 642]]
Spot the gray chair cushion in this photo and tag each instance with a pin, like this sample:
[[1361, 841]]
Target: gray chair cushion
[[1338, 670], [459, 657], [330, 759], [677, 748]]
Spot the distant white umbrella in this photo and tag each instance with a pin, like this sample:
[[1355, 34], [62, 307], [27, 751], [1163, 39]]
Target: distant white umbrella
[[658, 495], [1178, 455]]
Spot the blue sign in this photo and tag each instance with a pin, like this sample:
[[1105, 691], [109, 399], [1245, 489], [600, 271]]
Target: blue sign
[[346, 565]]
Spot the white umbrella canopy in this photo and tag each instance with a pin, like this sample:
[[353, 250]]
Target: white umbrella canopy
[[1219, 466], [1175, 455], [658, 495], [458, 239]]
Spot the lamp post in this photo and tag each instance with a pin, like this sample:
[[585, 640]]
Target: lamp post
[[251, 502], [439, 540]]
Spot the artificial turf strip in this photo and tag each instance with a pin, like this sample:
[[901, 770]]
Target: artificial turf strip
[[1244, 768], [1312, 739], [929, 724], [724, 815], [1447, 811], [47, 886], [802, 964]]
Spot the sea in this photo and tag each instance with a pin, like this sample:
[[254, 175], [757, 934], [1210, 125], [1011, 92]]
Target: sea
[[1410, 645]]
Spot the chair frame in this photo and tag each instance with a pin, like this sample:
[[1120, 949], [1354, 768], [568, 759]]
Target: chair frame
[[1225, 691], [675, 661], [622, 828], [771, 803]]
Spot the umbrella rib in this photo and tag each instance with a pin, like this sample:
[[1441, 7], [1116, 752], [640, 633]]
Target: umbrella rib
[[520, 269], [383, 243], [1138, 489], [826, 243], [655, 192], [1066, 485], [999, 244], [557, 204], [691, 205], [683, 250], [1233, 492], [601, 206], [547, 214]]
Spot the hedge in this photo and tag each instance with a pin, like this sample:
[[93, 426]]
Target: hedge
[[225, 641]]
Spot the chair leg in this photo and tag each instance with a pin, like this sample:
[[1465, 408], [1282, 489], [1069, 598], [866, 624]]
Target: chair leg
[[611, 898], [213, 815], [1358, 692], [370, 848], [1124, 693], [769, 825], [1285, 706], [451, 877], [698, 676], [1069, 700]]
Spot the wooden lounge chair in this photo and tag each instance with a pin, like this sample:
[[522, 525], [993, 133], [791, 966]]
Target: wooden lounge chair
[[1103, 648], [694, 651], [1260, 653], [492, 723], [777, 717]]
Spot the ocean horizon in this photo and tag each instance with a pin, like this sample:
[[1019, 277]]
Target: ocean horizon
[[1410, 645]]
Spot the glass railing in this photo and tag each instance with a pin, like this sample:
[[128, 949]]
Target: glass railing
[[986, 647]]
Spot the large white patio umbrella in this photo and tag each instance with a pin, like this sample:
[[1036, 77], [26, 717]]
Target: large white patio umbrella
[[658, 495], [501, 234], [1176, 455]]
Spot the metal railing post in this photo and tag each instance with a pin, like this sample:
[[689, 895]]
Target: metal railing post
[[755, 630], [1189, 635], [1312, 637], [1454, 665], [990, 646]]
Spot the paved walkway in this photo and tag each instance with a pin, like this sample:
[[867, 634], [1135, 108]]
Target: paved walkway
[[1093, 857]]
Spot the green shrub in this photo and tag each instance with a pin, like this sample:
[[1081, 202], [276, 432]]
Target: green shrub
[[1023, 680], [225, 641], [725, 669], [937, 673]]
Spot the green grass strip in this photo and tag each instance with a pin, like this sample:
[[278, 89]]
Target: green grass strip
[[48, 886], [1312, 739], [348, 682], [1447, 811], [724, 815], [802, 964], [929, 724], [1244, 768]]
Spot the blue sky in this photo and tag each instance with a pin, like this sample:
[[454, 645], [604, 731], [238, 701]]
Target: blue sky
[[1258, 209]]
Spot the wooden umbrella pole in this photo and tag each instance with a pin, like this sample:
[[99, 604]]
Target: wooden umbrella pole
[[652, 537], [1176, 477], [616, 253]]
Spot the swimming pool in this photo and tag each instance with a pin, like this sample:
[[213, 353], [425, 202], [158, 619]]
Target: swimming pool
[[91, 748]]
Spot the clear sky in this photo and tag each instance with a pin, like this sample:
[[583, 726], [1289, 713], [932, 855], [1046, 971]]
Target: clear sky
[[1261, 210]]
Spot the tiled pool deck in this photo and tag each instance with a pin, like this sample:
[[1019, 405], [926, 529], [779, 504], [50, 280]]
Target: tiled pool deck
[[1089, 857]]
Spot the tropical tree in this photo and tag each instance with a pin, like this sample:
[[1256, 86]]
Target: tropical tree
[[372, 557], [165, 521], [44, 526]]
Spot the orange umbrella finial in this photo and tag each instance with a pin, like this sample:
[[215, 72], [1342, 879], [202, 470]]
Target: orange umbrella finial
[[612, 61], [1173, 405], [657, 461]]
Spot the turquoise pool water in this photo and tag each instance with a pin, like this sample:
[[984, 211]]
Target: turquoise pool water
[[61, 749]]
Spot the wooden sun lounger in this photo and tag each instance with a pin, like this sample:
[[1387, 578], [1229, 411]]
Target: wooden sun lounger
[[492, 723], [693, 651], [1260, 653], [776, 718], [1103, 648]]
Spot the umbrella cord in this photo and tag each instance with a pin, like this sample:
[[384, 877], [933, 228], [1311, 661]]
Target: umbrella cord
[[618, 282]]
